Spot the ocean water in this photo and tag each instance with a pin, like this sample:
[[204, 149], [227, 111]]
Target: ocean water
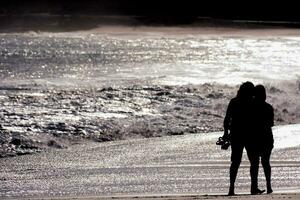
[[131, 85], [88, 59], [177, 164]]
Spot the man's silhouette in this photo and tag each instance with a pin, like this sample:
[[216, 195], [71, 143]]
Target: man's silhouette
[[260, 143], [238, 121]]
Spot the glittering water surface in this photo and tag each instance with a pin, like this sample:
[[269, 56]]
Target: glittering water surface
[[67, 58]]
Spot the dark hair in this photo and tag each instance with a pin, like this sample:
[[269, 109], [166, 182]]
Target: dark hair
[[260, 93], [245, 90]]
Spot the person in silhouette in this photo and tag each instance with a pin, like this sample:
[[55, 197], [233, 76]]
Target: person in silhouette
[[238, 121], [261, 142]]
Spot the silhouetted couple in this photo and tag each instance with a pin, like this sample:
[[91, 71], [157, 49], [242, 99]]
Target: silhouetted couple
[[249, 119]]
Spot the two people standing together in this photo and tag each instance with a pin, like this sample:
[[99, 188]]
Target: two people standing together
[[248, 123]]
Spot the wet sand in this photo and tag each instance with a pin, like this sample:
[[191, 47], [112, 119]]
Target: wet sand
[[177, 165], [290, 196]]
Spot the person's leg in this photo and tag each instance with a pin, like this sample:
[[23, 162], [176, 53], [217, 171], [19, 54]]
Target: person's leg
[[265, 161], [253, 156], [236, 157]]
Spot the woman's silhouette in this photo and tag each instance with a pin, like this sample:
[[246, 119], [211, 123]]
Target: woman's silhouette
[[238, 120], [263, 120]]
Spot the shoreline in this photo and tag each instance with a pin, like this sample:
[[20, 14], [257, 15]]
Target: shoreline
[[146, 111], [131, 102]]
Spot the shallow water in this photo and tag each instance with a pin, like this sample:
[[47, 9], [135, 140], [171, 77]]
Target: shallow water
[[88, 59]]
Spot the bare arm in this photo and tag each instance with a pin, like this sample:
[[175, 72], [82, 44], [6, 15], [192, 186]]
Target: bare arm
[[271, 116], [227, 119]]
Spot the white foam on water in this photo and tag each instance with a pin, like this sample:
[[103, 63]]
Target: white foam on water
[[105, 115], [286, 136]]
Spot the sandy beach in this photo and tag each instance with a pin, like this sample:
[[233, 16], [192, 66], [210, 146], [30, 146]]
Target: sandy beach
[[178, 165], [290, 196]]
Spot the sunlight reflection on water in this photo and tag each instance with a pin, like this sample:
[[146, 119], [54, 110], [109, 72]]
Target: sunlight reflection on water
[[171, 61]]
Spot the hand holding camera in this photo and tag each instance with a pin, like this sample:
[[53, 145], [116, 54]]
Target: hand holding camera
[[224, 142]]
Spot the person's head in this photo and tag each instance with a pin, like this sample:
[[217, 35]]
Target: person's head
[[260, 93], [246, 90]]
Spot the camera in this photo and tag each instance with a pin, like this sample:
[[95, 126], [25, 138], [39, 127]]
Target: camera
[[223, 142]]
